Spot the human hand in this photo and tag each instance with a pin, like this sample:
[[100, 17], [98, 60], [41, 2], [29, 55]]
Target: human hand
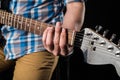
[[55, 40]]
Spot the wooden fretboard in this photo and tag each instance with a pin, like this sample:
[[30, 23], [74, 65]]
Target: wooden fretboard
[[27, 24]]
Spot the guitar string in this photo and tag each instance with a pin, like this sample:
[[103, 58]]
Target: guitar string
[[101, 48], [87, 39], [78, 43], [77, 36]]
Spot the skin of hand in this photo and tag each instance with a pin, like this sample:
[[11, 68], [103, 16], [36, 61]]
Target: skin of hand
[[55, 38]]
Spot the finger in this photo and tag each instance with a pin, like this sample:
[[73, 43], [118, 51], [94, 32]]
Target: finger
[[70, 49], [63, 42], [49, 39], [44, 37], [56, 38]]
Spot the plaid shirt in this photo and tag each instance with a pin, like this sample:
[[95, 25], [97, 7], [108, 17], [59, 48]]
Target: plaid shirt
[[20, 42]]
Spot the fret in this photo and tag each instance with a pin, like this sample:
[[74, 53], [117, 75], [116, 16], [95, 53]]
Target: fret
[[35, 26], [9, 16], [30, 21], [14, 21], [28, 25], [6, 17], [37, 31], [21, 27], [12, 18], [40, 28], [17, 22], [2, 17], [32, 26], [25, 23], [9, 20]]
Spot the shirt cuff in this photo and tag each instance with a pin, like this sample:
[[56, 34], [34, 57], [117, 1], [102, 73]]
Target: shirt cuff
[[68, 1]]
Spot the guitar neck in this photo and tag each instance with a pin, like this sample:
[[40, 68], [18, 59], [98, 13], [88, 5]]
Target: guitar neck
[[22, 23], [27, 24]]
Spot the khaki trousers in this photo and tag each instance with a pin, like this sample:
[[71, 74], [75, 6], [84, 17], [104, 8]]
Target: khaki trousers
[[35, 66], [4, 64]]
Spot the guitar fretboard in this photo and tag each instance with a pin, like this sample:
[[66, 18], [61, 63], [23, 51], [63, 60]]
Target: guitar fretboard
[[22, 23], [27, 24]]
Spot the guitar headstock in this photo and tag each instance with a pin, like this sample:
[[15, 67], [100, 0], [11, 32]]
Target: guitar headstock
[[98, 50]]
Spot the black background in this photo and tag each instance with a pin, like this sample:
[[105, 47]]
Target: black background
[[98, 12], [104, 13]]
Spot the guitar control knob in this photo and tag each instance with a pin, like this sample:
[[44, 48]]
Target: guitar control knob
[[118, 43], [98, 28], [105, 33], [113, 37]]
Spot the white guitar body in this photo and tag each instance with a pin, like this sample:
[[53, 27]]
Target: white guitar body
[[98, 50]]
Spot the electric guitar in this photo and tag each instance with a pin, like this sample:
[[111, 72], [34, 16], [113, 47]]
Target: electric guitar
[[29, 25], [98, 50]]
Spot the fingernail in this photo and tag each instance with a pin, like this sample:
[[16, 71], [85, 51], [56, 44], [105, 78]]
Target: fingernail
[[63, 29]]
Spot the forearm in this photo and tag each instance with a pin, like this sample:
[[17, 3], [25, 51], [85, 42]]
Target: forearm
[[55, 40], [74, 16]]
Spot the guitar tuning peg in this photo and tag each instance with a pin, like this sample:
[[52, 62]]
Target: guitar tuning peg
[[98, 28], [113, 37], [105, 33], [118, 44]]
